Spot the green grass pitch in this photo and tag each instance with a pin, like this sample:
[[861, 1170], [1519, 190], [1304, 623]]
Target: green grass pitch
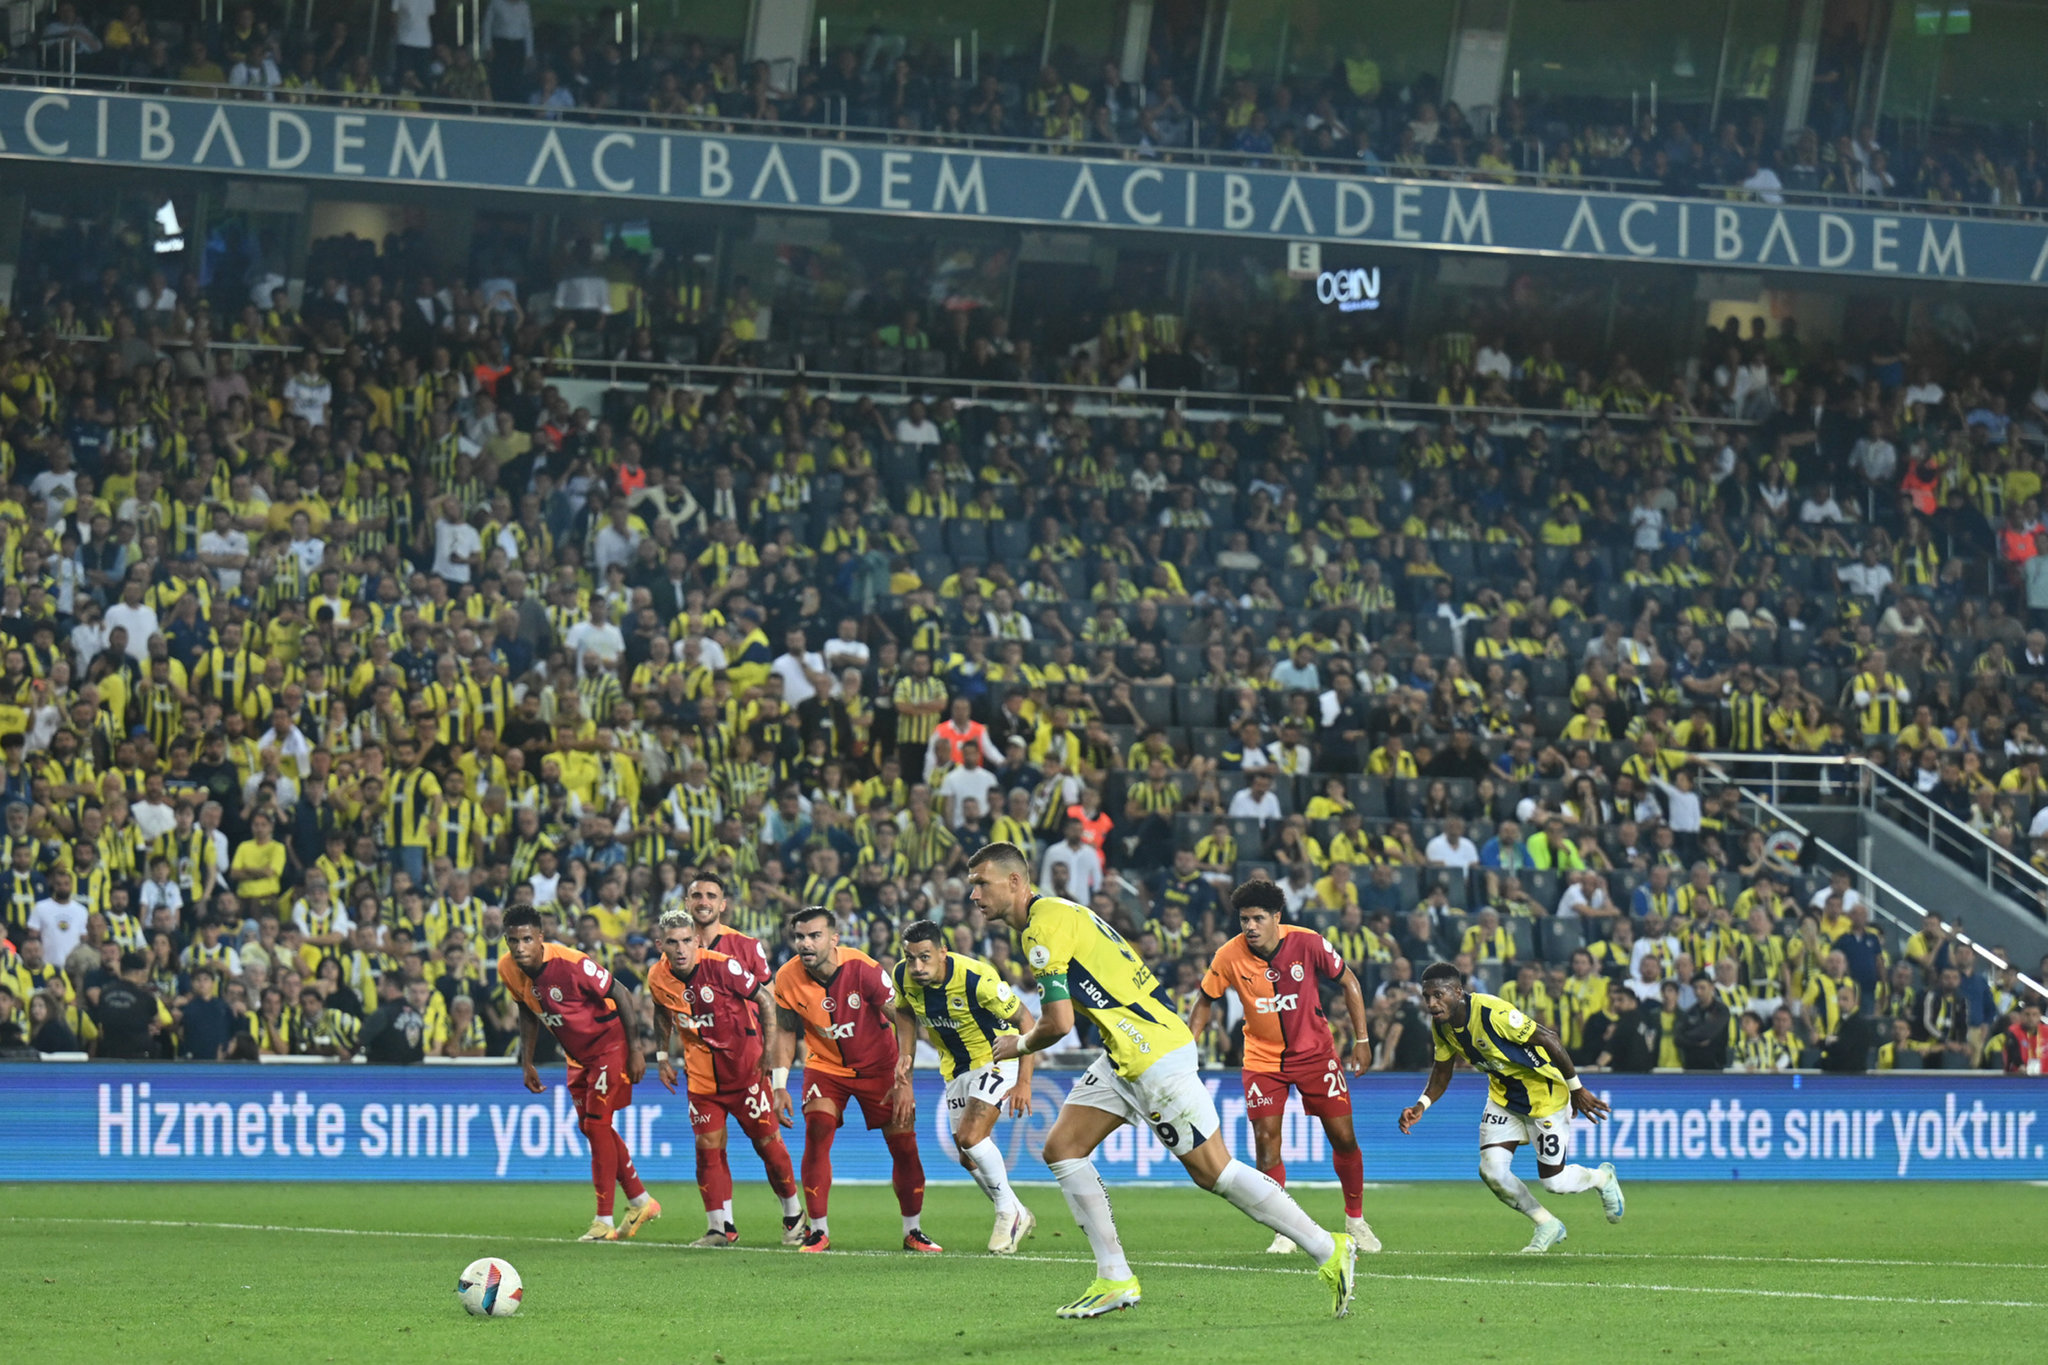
[[364, 1273]]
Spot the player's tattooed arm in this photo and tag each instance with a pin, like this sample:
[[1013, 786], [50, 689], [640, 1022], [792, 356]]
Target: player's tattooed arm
[[772, 1026], [1439, 1081], [666, 1044], [780, 1049], [1584, 1101]]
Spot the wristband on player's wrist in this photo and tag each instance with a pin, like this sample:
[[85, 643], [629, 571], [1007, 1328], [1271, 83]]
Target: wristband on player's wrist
[[1024, 1048], [1575, 1084], [778, 1077], [1422, 1101]]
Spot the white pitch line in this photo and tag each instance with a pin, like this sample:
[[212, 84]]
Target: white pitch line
[[1734, 1291]]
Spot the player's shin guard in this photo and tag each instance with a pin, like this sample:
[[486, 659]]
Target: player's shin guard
[[1088, 1201], [818, 1133], [1572, 1180], [1257, 1197], [714, 1183], [984, 1160], [1351, 1176], [604, 1161], [1496, 1168], [629, 1178], [907, 1172]]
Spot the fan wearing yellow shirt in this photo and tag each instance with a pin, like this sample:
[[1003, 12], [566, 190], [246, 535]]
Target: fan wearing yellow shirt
[[1146, 1075], [1532, 1092]]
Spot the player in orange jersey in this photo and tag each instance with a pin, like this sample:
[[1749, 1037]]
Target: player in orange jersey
[[591, 1016], [844, 1006], [710, 1002], [1274, 968]]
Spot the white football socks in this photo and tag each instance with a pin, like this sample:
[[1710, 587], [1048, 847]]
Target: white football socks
[[985, 1163], [792, 1206], [1572, 1180], [1261, 1199], [1496, 1168], [1088, 1201]]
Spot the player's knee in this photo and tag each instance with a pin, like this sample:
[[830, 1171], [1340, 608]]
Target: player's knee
[[1495, 1165]]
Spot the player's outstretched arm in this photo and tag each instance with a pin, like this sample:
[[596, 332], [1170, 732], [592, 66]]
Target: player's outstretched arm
[[529, 1038], [781, 1051], [629, 1017], [1439, 1081], [1584, 1101], [1360, 1060], [1052, 1026]]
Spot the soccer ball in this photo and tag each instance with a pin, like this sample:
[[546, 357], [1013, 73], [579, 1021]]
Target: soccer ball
[[490, 1288]]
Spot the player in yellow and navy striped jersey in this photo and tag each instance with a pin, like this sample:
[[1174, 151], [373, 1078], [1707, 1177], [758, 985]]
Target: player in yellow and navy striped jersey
[[964, 1006], [1532, 1092]]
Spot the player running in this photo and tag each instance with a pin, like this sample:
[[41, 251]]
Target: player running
[[591, 1016], [1274, 968], [1146, 1075], [844, 1006], [703, 997], [1532, 1092], [964, 1007]]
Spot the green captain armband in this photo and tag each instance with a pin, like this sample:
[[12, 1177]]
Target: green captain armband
[[1053, 986]]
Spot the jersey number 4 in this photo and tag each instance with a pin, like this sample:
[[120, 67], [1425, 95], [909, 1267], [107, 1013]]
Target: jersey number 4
[[603, 1084]]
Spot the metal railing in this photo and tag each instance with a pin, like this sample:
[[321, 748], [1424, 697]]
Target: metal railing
[[1114, 399], [1777, 815], [1809, 779]]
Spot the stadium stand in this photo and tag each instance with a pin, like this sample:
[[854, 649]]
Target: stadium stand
[[335, 628]]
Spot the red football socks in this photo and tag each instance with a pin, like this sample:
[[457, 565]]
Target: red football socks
[[818, 1131], [908, 1173]]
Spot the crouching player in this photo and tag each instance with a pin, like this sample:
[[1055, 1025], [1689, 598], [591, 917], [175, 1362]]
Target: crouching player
[[591, 1016], [1531, 1094], [964, 1007], [702, 997]]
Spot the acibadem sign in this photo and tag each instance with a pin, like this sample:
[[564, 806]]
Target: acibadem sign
[[643, 163]]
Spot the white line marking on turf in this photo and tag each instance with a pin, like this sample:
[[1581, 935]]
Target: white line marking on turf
[[1173, 1265]]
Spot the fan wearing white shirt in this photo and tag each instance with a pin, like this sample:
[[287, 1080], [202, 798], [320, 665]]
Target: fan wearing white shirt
[[914, 428], [1257, 801], [1082, 863], [1451, 848], [308, 393], [802, 671], [969, 779]]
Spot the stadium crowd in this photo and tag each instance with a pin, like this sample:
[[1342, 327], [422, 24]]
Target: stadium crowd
[[334, 631], [1359, 115]]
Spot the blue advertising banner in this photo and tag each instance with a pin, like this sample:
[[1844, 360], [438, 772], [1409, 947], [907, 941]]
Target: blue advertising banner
[[76, 1121], [368, 147]]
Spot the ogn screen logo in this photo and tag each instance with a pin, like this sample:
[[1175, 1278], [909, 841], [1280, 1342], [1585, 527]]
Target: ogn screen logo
[[1351, 290]]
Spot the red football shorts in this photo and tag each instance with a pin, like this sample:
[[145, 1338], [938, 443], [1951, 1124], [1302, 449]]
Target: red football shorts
[[599, 1086], [871, 1091], [1324, 1091], [753, 1109]]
